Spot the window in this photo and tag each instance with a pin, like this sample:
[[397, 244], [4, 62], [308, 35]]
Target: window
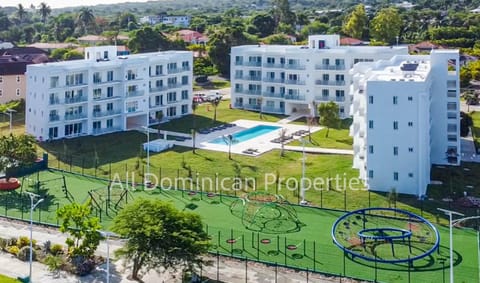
[[370, 124], [451, 115], [451, 127], [109, 106], [410, 124], [1, 92], [395, 150], [110, 91], [184, 109], [410, 149], [171, 111], [452, 138], [395, 176], [186, 65], [110, 76], [370, 99], [53, 132], [325, 93], [97, 93], [1, 79], [72, 129], [395, 100], [97, 125], [53, 81], [97, 78], [18, 79], [171, 97], [132, 106], [326, 77], [370, 149], [184, 80], [451, 106], [109, 123], [131, 75], [395, 125], [184, 94], [410, 175], [410, 98], [370, 174], [17, 92]]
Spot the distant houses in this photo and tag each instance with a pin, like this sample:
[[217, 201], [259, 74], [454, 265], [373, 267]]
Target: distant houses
[[178, 21]]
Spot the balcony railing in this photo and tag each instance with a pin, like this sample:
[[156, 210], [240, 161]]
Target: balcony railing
[[334, 83], [158, 88], [177, 85], [273, 94], [251, 106], [76, 99], [273, 80], [329, 67], [273, 65], [273, 110], [340, 98], [134, 93], [252, 78], [253, 64], [54, 101], [295, 82], [106, 113], [238, 105], [106, 98], [322, 98], [76, 116], [294, 97], [248, 92], [100, 131], [294, 66], [238, 63], [54, 118]]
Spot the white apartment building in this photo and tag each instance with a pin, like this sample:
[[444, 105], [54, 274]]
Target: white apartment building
[[405, 118], [283, 78], [104, 93]]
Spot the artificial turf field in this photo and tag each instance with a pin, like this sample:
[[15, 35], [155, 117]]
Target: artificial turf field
[[309, 248]]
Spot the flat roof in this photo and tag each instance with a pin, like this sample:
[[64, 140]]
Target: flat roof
[[404, 70], [305, 49]]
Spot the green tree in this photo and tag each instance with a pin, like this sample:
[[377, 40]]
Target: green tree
[[85, 18], [264, 24], [315, 27], [215, 102], [386, 25], [282, 12], [147, 39], [356, 23], [44, 10], [159, 235], [16, 151], [72, 55], [21, 13], [77, 221], [329, 116]]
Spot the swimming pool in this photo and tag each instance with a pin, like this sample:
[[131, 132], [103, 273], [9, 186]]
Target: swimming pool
[[247, 134]]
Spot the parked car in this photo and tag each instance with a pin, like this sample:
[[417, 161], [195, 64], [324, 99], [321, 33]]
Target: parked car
[[213, 96]]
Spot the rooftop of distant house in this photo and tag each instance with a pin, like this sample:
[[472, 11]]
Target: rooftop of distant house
[[350, 41], [423, 46], [191, 36], [13, 61]]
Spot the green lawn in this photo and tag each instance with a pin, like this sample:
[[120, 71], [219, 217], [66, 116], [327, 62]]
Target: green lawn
[[312, 243], [476, 128], [337, 138], [6, 279]]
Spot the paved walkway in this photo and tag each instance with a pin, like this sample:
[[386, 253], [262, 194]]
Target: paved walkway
[[228, 270], [292, 117], [319, 150]]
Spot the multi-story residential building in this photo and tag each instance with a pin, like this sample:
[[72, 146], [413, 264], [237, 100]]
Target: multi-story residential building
[[13, 64], [107, 93], [178, 21], [405, 118], [284, 78]]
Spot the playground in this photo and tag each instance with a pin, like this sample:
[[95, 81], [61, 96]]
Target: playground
[[265, 227]]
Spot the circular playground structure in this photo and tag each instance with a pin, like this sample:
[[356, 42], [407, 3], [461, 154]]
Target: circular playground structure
[[267, 213], [385, 235]]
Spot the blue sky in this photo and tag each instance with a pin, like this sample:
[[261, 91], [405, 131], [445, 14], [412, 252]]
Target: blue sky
[[62, 3]]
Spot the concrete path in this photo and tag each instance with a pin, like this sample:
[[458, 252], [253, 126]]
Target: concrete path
[[291, 118], [319, 150], [228, 270]]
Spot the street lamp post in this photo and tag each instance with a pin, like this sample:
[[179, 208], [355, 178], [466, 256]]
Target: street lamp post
[[450, 224], [302, 182], [32, 207], [9, 112], [147, 181], [106, 235]]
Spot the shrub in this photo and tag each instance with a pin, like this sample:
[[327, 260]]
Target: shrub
[[24, 241], [12, 242], [56, 249], [24, 254], [3, 244], [46, 246], [54, 263], [13, 250], [82, 266]]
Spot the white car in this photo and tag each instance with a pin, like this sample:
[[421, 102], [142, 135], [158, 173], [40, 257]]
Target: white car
[[213, 96]]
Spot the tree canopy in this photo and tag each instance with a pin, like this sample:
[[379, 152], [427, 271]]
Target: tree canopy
[[386, 26], [356, 23], [159, 235], [329, 116]]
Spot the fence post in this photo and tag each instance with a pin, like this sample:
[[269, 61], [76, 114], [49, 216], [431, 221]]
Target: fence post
[[314, 255], [246, 269], [218, 263], [344, 199], [110, 170], [71, 161], [276, 272], [6, 204], [258, 246], [83, 165], [285, 250], [58, 207]]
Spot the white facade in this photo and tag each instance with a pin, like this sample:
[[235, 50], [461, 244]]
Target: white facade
[[104, 93], [283, 78], [405, 118], [178, 21]]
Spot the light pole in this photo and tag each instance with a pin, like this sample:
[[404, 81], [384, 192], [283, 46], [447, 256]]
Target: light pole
[[106, 235], [9, 112], [397, 38], [32, 207], [147, 130], [450, 224], [302, 182]]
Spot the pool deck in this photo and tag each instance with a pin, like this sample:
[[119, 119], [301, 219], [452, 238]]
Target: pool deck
[[251, 147]]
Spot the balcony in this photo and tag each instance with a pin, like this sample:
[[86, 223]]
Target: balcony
[[295, 82], [273, 80], [295, 97], [134, 93], [322, 98], [238, 105], [248, 92], [54, 101], [101, 131], [132, 109], [172, 101], [273, 65], [174, 70], [75, 99], [340, 98], [332, 83], [238, 63], [294, 67], [273, 110], [273, 94], [177, 85], [75, 116], [252, 78], [54, 118], [451, 84], [330, 67], [98, 114], [251, 107], [158, 89], [452, 93], [103, 98], [252, 64]]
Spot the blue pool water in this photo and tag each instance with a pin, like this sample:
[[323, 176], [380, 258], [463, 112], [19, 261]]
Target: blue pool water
[[247, 134]]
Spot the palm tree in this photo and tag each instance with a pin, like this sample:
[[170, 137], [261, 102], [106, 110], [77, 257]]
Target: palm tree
[[215, 102], [44, 10], [85, 18], [282, 134], [21, 13]]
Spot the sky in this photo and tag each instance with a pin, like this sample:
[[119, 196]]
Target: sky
[[62, 3]]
